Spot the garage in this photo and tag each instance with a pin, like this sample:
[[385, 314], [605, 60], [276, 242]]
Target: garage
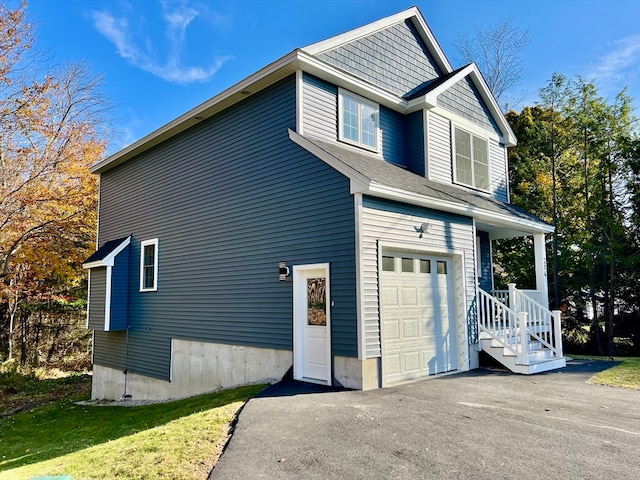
[[417, 316]]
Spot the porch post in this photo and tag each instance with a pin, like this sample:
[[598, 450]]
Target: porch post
[[540, 253]]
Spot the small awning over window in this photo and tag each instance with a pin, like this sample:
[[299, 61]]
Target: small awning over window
[[109, 286], [106, 254]]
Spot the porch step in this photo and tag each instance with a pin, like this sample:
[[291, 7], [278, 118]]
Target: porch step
[[540, 359]]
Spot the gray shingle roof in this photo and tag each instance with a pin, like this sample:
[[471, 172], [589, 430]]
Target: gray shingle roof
[[390, 175]]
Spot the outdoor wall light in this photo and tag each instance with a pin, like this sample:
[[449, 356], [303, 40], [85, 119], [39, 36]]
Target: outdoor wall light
[[283, 271], [422, 229]]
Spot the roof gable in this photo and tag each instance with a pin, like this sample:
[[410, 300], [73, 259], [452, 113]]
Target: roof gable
[[398, 53], [106, 254], [464, 92]]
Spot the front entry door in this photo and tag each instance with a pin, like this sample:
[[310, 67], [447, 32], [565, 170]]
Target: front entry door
[[311, 323]]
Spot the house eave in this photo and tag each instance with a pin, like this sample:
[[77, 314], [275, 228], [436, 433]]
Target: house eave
[[491, 219], [109, 259]]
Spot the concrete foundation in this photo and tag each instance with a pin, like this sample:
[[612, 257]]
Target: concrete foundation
[[357, 374], [196, 368]]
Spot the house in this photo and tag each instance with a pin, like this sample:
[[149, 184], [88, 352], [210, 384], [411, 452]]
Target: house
[[330, 216]]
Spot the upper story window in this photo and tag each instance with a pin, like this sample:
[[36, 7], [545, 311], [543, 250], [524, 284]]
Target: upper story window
[[471, 156], [149, 265], [358, 123]]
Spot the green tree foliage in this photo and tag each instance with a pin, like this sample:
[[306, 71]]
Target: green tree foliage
[[576, 165]]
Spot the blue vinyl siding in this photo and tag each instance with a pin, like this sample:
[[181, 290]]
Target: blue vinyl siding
[[320, 120], [120, 290], [228, 199], [395, 58], [485, 281], [392, 131], [416, 156]]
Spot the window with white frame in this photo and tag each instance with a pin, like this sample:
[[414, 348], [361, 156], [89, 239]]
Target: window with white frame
[[149, 265], [358, 120], [471, 159]]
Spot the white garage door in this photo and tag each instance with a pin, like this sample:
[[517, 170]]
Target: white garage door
[[417, 314]]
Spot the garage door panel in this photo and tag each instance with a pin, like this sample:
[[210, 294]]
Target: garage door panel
[[417, 316], [391, 329], [408, 296], [390, 296]]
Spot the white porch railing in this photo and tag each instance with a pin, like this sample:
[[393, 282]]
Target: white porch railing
[[519, 323]]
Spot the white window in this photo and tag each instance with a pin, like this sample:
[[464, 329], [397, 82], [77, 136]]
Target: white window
[[149, 265], [471, 160], [358, 121]]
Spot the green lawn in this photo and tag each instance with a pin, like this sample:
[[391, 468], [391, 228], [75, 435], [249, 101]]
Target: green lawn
[[177, 440], [625, 375]]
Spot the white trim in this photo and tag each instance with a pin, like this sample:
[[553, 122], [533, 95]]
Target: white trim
[[361, 101], [298, 334], [145, 243], [171, 360], [107, 300], [478, 252], [357, 207], [88, 298], [454, 162], [109, 260], [299, 102], [425, 140]]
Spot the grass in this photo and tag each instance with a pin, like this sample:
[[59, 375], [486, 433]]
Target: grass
[[625, 374], [178, 440]]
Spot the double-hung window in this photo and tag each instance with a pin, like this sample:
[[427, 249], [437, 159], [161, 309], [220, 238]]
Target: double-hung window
[[471, 160], [358, 121], [149, 265]]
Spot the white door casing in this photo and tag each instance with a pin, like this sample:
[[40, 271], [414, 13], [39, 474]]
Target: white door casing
[[312, 323]]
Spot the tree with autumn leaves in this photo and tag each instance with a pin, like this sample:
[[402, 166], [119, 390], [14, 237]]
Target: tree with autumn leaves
[[51, 121]]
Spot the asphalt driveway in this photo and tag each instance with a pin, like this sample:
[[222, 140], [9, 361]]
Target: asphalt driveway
[[477, 425]]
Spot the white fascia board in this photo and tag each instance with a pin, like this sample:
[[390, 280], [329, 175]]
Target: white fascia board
[[109, 260], [359, 182], [492, 218], [351, 35]]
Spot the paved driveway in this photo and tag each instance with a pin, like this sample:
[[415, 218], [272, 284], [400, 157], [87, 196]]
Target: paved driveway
[[477, 425]]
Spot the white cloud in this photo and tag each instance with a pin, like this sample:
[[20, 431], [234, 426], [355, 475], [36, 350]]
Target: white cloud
[[620, 67], [177, 17]]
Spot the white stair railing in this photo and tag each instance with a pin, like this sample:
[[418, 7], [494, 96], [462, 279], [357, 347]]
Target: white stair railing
[[502, 315], [501, 323]]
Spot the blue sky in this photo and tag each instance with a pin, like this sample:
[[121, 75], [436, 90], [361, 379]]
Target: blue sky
[[160, 58]]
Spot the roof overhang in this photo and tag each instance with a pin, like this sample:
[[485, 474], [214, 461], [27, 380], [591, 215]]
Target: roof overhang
[[498, 225], [109, 257]]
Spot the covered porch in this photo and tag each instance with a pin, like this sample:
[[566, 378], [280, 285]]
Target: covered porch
[[515, 326]]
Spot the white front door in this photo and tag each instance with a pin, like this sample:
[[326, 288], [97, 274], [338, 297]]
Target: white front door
[[311, 323]]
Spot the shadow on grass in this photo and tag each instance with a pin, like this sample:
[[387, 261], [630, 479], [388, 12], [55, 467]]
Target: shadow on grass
[[64, 427]]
